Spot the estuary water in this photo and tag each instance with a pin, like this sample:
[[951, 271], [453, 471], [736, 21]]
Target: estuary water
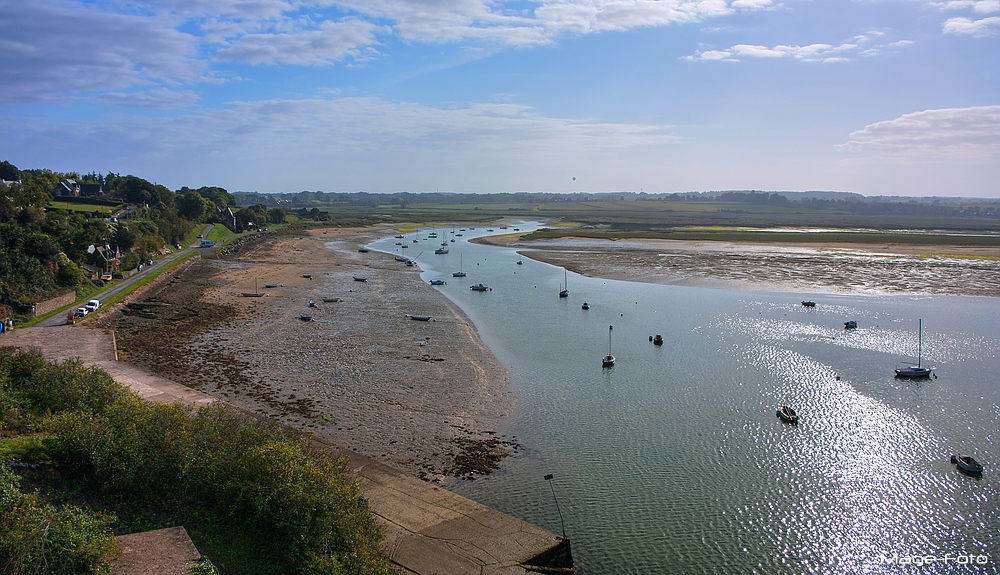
[[673, 460]]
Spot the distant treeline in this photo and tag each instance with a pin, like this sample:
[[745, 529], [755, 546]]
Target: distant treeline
[[841, 201]]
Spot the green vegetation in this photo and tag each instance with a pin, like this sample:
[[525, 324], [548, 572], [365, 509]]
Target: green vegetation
[[253, 496]]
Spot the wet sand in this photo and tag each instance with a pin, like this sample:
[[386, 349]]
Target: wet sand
[[843, 268], [423, 397]]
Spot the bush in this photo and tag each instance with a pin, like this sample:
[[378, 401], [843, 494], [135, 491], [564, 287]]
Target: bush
[[225, 474], [45, 540]]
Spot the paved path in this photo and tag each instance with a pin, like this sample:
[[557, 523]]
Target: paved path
[[428, 530]]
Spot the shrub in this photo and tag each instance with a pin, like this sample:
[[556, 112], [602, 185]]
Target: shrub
[[40, 539]]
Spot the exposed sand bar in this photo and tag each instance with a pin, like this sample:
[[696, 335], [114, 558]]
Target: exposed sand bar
[[423, 397], [846, 268]]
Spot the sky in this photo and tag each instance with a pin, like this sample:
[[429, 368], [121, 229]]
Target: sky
[[879, 97]]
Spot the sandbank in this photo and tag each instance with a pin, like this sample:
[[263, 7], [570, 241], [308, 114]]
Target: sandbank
[[812, 267], [423, 397]]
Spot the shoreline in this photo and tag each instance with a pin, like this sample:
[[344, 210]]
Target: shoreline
[[422, 397], [813, 267]]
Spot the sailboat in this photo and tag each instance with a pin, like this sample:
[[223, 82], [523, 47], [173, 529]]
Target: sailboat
[[256, 292], [460, 273], [609, 360], [565, 290], [916, 371], [518, 259]]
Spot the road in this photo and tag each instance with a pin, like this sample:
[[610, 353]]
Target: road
[[60, 318]]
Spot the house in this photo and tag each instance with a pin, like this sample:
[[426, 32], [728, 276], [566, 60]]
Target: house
[[91, 190], [67, 188], [77, 190], [112, 256]]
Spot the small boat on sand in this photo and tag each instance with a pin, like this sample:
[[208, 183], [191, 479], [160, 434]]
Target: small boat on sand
[[305, 317], [312, 303], [850, 324], [359, 279], [788, 414], [806, 303], [307, 276], [420, 317], [967, 464], [270, 286], [331, 299], [363, 250]]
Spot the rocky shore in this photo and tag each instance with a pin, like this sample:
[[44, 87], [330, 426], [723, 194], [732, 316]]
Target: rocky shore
[[423, 397]]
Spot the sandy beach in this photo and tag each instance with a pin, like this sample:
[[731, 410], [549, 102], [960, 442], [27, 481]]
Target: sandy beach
[[844, 268], [423, 397]]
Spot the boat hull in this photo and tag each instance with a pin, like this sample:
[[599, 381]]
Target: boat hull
[[913, 372]]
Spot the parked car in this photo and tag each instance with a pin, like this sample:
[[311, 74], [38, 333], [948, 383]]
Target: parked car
[[81, 311], [149, 263], [93, 305]]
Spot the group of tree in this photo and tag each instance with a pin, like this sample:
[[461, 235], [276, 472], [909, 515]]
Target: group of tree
[[45, 250]]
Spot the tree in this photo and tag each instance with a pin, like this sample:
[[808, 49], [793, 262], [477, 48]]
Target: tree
[[191, 205], [9, 171], [276, 216]]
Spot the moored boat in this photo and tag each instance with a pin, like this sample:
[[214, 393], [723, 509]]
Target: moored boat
[[479, 287], [967, 463], [359, 279], [305, 317], [608, 360], [420, 317], [850, 324], [807, 303], [788, 414], [585, 306], [916, 371], [437, 282], [658, 339]]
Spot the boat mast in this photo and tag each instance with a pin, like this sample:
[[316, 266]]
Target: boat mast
[[920, 340], [610, 328]]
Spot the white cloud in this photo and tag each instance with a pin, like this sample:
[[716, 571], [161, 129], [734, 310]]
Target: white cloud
[[955, 133], [331, 42], [159, 99], [50, 47], [969, 27], [858, 46], [350, 143], [978, 6]]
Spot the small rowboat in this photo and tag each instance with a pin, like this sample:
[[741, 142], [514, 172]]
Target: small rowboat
[[420, 317], [331, 299], [808, 303], [850, 324], [357, 279], [307, 276], [658, 340], [270, 285], [788, 414], [305, 317], [967, 464], [248, 294]]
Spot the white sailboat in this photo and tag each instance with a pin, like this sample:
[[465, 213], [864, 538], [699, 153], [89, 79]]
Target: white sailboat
[[565, 291], [609, 360], [916, 371], [460, 273]]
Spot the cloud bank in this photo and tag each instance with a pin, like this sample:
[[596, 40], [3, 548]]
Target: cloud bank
[[971, 134]]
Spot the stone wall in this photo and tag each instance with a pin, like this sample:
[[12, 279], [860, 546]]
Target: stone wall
[[44, 307]]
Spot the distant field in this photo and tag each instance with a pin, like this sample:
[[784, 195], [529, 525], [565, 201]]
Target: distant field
[[90, 208]]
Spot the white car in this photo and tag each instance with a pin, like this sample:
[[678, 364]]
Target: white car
[[93, 305], [81, 311]]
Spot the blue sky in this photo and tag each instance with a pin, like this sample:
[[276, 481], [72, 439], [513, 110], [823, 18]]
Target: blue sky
[[880, 97]]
